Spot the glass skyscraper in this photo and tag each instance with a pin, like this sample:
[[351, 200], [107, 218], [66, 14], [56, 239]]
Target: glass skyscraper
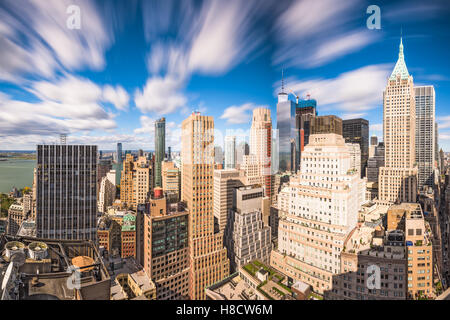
[[287, 137], [160, 149], [357, 131]]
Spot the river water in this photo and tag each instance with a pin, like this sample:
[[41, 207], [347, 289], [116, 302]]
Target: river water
[[16, 172]]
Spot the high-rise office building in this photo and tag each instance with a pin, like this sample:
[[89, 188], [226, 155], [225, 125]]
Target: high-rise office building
[[261, 146], [355, 156], [375, 163], [304, 112], [318, 214], [398, 178], [230, 152], [326, 124], [218, 155], [207, 255], [287, 133], [373, 140], [166, 248], [357, 131], [224, 183], [66, 192], [119, 162], [171, 181], [119, 152], [136, 183], [246, 237], [242, 150], [107, 191], [160, 149], [425, 134]]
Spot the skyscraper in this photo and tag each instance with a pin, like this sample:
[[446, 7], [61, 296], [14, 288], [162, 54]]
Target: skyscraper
[[119, 152], [357, 131], [242, 150], [305, 111], [261, 146], [224, 183], [207, 255], [166, 249], [66, 192], [425, 134], [317, 213], [398, 178], [160, 148], [230, 152], [326, 124], [287, 133], [136, 182], [373, 140], [119, 163], [246, 236], [218, 155]]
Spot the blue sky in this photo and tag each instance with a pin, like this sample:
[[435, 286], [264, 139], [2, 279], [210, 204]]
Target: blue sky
[[132, 62]]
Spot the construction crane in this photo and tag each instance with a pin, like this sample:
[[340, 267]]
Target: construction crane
[[296, 95]]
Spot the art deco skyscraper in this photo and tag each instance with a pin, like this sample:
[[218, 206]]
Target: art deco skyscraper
[[160, 149], [425, 134], [261, 146], [207, 255], [66, 192], [230, 152], [398, 178]]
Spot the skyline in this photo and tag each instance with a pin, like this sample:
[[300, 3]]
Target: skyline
[[79, 85]]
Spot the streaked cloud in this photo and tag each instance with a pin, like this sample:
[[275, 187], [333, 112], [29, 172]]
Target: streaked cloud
[[311, 33], [239, 114], [35, 39], [354, 91]]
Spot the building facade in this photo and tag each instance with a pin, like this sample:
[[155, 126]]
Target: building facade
[[326, 124], [398, 178], [160, 149], [230, 152], [66, 192], [357, 131], [136, 182], [425, 135], [320, 209], [224, 183], [246, 237], [166, 254], [207, 255]]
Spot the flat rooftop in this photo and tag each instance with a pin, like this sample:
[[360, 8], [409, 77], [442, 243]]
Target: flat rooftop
[[234, 288]]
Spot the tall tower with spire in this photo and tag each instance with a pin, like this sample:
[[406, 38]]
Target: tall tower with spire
[[398, 178]]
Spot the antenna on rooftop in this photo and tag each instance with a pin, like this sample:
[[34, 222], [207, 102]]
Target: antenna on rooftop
[[63, 138]]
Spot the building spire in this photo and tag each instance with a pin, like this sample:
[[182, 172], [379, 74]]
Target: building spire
[[400, 66], [282, 80]]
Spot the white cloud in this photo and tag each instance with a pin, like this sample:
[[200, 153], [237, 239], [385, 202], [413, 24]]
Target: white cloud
[[311, 33], [160, 95], [239, 114], [354, 91], [117, 96], [35, 38], [351, 115], [210, 38], [147, 126]]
